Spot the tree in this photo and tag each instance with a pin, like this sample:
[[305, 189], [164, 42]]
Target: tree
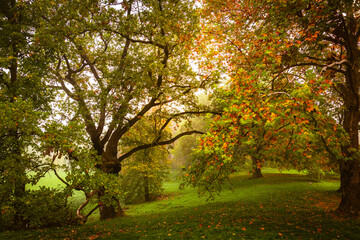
[[117, 62], [145, 171], [24, 104], [328, 34], [330, 43], [307, 52]]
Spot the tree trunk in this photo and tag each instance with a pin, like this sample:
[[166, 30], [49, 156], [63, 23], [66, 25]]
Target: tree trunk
[[110, 211], [19, 189], [340, 188], [350, 166], [256, 171], [350, 188], [19, 193], [107, 212], [146, 188]]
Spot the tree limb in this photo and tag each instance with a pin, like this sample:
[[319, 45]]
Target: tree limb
[[78, 211], [333, 64], [154, 144]]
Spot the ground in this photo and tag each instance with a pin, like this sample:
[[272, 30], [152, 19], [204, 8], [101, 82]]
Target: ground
[[284, 205]]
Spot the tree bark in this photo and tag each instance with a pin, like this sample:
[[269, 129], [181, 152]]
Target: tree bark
[[110, 211], [110, 166], [19, 193], [107, 212], [350, 188], [350, 167]]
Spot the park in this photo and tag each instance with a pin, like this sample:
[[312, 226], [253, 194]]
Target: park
[[285, 205], [179, 119]]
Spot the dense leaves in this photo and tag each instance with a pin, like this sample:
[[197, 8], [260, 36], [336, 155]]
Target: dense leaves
[[145, 172], [117, 76], [290, 94], [24, 102], [116, 64]]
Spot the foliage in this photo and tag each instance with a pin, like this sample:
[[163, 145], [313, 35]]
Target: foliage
[[285, 99], [17, 120], [144, 172], [144, 175], [115, 65], [23, 104], [41, 208], [266, 124], [183, 148]]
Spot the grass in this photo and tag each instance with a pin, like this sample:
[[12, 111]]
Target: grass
[[279, 206]]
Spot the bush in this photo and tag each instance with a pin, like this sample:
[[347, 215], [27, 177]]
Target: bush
[[40, 208], [315, 173]]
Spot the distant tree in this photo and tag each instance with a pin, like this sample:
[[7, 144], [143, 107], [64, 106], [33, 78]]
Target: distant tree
[[184, 147], [145, 171]]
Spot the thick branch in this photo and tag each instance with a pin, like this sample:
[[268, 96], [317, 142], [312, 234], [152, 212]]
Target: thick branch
[[66, 183], [121, 130], [78, 211], [63, 86], [154, 144], [312, 64]]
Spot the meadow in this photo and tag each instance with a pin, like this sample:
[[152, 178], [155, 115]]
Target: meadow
[[285, 205]]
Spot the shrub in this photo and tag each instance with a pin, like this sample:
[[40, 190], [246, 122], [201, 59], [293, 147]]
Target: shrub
[[40, 208]]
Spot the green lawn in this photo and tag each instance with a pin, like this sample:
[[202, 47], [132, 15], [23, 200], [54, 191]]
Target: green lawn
[[279, 206]]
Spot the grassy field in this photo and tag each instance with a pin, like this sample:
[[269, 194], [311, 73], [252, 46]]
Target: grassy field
[[279, 206]]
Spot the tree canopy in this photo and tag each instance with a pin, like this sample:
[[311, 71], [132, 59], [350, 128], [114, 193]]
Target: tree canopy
[[293, 88], [115, 64]]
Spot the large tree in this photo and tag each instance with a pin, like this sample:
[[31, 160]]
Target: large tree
[[308, 52], [23, 103], [116, 63]]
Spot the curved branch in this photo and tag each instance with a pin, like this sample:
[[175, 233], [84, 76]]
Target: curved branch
[[82, 217], [154, 144], [185, 113], [66, 183]]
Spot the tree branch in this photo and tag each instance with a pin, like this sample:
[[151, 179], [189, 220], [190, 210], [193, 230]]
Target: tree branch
[[154, 144], [333, 64], [78, 211], [185, 113], [66, 183]]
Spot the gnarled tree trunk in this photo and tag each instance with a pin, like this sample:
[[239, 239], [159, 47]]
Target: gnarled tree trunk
[[110, 166], [350, 188], [110, 211]]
